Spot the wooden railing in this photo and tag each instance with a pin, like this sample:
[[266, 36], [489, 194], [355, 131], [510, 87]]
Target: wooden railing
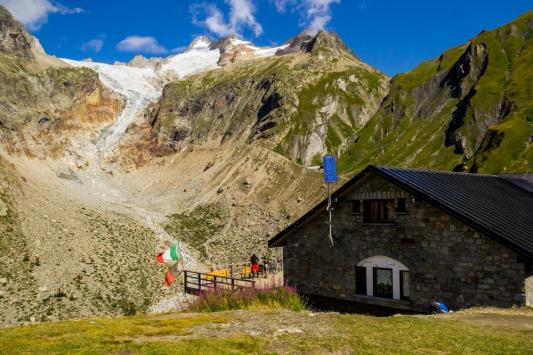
[[237, 270], [243, 269], [195, 282]]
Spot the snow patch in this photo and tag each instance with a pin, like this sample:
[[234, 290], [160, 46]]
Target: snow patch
[[192, 61], [267, 51]]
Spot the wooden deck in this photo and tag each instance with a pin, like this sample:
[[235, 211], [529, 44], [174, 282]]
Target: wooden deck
[[234, 276], [195, 282]]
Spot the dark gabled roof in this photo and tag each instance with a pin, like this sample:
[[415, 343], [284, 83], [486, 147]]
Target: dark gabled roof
[[499, 206]]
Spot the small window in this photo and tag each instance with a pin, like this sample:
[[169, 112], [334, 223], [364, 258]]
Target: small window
[[378, 211], [356, 207], [382, 282], [402, 206], [360, 280], [404, 285]]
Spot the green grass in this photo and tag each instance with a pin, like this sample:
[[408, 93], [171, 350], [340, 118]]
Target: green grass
[[91, 336], [324, 333]]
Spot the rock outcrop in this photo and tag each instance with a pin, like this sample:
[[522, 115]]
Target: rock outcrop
[[43, 102], [14, 40], [232, 50]]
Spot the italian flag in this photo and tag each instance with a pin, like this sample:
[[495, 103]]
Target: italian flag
[[172, 274], [170, 255]]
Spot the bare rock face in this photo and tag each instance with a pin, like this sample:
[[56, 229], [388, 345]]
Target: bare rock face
[[140, 61], [14, 40], [44, 102], [296, 44], [327, 45], [233, 50]]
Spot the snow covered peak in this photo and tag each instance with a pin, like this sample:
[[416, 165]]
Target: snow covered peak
[[200, 42], [236, 42], [194, 60]]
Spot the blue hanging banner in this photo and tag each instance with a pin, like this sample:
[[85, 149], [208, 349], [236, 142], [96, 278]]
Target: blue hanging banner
[[330, 168]]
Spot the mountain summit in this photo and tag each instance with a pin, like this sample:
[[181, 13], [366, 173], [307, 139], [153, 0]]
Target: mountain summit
[[200, 42]]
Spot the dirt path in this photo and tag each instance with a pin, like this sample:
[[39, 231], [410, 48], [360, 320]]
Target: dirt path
[[276, 323], [518, 319]]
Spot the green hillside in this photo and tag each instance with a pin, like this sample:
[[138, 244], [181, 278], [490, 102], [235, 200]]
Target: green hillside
[[470, 109]]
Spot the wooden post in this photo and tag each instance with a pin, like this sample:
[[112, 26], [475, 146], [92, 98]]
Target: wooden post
[[185, 281], [215, 282], [231, 271], [232, 283], [199, 282]]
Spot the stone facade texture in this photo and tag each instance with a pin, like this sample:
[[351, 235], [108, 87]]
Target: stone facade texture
[[447, 260]]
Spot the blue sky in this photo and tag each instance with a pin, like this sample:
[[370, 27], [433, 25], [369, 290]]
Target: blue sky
[[393, 36]]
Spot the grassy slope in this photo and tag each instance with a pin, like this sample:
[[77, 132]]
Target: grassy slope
[[400, 135], [225, 332]]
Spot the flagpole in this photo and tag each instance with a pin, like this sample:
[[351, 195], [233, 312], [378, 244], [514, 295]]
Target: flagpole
[[330, 176], [330, 217]]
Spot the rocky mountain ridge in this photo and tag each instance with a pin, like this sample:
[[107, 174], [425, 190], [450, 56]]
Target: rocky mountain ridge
[[302, 104], [14, 40]]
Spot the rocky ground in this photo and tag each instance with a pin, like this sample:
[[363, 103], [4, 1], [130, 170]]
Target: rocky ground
[[89, 238]]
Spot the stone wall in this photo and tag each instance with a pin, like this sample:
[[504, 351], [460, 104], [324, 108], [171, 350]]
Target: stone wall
[[447, 259]]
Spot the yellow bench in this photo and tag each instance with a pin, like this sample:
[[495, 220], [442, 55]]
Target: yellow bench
[[246, 271], [211, 275]]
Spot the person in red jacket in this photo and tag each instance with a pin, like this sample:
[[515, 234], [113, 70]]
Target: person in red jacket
[[254, 265]]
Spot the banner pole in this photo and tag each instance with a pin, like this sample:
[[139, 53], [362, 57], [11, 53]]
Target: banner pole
[[330, 217]]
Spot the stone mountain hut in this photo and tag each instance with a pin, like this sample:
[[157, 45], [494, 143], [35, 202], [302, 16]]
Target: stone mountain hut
[[405, 238]]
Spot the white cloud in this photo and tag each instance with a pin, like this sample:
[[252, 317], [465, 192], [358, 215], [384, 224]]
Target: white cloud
[[316, 14], [281, 5], [141, 44], [34, 13], [94, 45], [241, 16]]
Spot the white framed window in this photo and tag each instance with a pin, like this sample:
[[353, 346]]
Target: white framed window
[[381, 276]]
